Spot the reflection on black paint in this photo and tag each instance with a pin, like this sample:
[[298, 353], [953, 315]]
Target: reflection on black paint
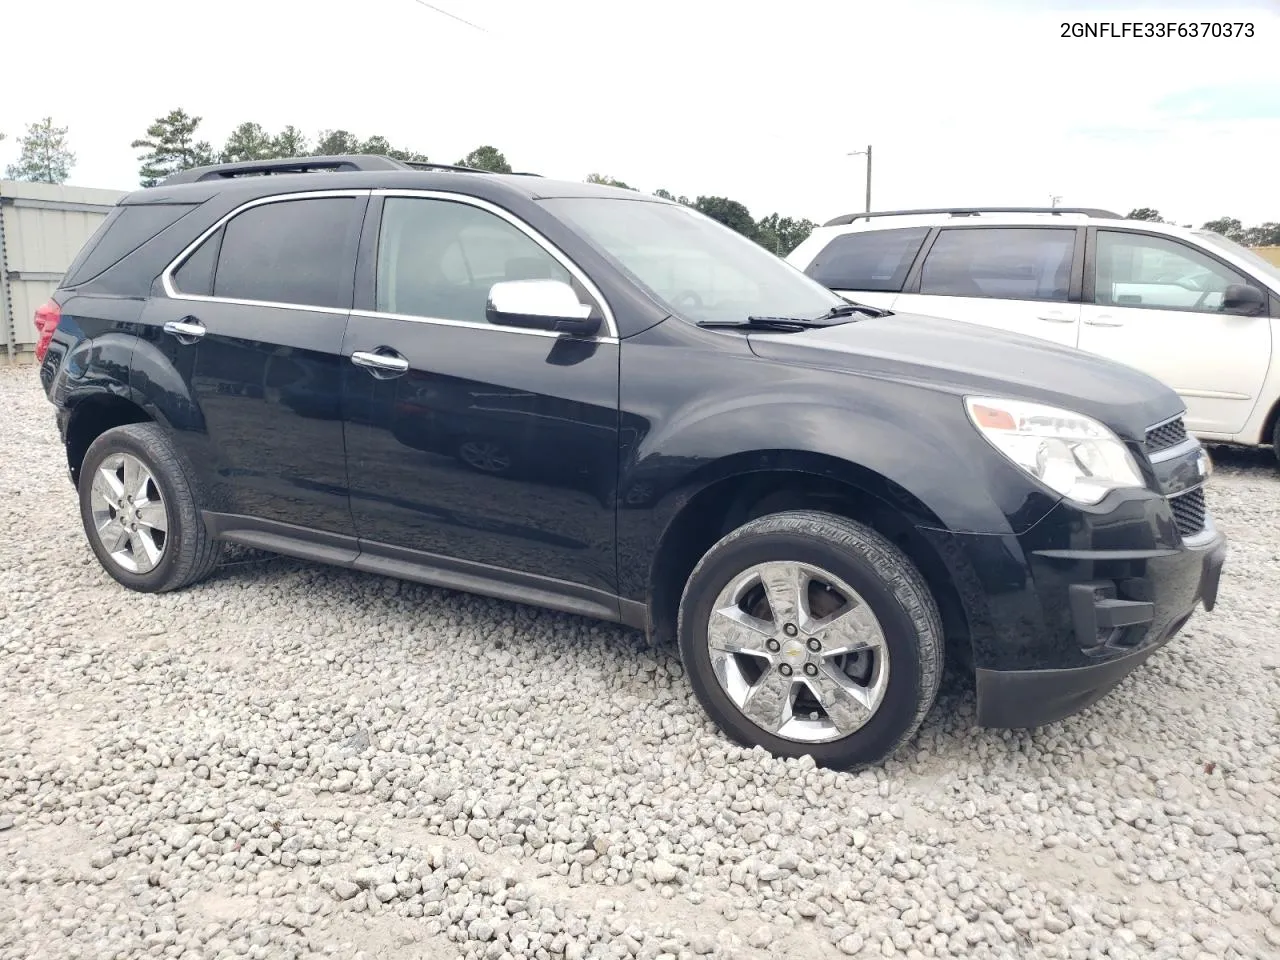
[[496, 447]]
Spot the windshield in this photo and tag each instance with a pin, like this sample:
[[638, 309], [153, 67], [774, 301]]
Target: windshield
[[1269, 270], [694, 266]]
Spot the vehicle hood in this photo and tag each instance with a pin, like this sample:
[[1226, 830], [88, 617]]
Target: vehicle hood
[[965, 358]]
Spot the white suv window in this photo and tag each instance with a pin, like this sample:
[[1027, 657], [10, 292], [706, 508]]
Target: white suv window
[[1136, 270], [1007, 263], [868, 260]]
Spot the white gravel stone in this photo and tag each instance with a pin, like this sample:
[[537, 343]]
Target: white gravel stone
[[288, 761]]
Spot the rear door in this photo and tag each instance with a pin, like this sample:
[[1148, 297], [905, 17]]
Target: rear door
[[253, 328], [1157, 305], [868, 266], [1022, 279]]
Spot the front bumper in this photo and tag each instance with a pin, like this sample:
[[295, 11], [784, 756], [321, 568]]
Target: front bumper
[[1061, 613], [1124, 633]]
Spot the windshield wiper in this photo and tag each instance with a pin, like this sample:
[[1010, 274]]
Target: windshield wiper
[[849, 309], [833, 317], [782, 324]]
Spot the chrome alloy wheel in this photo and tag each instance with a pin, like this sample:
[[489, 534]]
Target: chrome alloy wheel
[[798, 651], [129, 515]]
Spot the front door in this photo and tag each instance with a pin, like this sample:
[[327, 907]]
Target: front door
[[489, 451], [1018, 279], [1157, 306], [254, 328]]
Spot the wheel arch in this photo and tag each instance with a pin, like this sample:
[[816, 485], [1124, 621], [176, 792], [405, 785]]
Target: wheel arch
[[744, 488], [93, 415]]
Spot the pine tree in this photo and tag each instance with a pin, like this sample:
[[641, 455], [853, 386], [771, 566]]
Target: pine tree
[[45, 156], [171, 146]]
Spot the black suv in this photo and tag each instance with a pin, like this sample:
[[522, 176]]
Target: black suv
[[600, 402]]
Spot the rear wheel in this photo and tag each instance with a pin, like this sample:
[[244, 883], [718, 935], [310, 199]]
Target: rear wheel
[[808, 633], [1275, 442], [138, 504]]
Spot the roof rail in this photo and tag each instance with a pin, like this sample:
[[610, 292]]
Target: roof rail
[[425, 165], [229, 171], [971, 212], [359, 162]]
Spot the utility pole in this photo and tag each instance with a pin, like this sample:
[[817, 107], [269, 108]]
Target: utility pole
[[1053, 199], [867, 154]]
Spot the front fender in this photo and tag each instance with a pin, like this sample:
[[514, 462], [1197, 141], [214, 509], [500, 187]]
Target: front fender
[[949, 476]]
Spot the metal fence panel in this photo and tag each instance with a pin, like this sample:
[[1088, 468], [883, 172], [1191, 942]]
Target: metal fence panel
[[42, 228]]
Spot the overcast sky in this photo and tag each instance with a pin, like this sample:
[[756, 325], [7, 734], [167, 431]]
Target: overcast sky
[[965, 102]]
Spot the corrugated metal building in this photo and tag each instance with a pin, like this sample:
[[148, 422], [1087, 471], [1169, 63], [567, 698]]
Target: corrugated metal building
[[42, 227]]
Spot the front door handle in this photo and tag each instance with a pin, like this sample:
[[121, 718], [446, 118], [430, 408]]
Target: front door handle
[[1055, 316], [381, 365], [1104, 320], [187, 330]]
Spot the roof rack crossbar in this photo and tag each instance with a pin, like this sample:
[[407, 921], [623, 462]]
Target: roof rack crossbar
[[362, 162], [970, 212]]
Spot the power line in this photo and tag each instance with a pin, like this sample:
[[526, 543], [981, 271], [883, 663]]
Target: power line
[[452, 16]]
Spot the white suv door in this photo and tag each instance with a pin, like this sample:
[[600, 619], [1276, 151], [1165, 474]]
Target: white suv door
[[1157, 306], [1019, 279]]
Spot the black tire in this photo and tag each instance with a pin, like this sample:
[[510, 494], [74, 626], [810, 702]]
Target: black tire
[[189, 554], [887, 581], [1275, 442]]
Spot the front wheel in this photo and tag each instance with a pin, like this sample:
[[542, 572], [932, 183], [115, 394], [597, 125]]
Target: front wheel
[[807, 633]]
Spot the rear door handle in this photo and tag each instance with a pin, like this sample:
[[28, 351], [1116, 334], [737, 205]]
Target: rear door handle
[[1105, 320], [188, 330], [1054, 316], [381, 365]]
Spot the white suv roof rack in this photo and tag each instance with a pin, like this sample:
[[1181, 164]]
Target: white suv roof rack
[[971, 212]]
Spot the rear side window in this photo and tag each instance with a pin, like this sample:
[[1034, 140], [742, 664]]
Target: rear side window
[[1008, 263], [291, 251], [195, 276], [870, 260], [123, 231]]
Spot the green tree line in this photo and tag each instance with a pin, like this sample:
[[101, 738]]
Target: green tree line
[[172, 143], [1263, 235]]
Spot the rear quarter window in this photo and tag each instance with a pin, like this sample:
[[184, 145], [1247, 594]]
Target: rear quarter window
[[124, 230], [868, 260]]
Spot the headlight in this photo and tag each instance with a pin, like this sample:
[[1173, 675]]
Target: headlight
[[1066, 451]]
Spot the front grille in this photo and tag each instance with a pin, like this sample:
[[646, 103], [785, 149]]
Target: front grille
[[1165, 436], [1189, 511]]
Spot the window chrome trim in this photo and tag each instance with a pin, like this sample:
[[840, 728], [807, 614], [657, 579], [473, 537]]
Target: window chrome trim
[[173, 293], [470, 324], [556, 254]]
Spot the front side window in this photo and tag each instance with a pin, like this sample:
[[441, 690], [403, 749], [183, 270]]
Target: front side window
[[440, 258], [298, 252], [868, 260], [1007, 263], [1155, 273], [697, 268]]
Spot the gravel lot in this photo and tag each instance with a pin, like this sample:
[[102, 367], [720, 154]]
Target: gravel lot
[[292, 761]]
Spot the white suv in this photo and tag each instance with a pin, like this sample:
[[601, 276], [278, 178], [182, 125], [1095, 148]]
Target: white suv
[[1187, 306]]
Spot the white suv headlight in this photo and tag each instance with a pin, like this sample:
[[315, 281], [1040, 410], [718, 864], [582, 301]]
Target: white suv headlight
[[1066, 451]]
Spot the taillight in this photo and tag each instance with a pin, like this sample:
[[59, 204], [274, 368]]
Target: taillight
[[47, 316]]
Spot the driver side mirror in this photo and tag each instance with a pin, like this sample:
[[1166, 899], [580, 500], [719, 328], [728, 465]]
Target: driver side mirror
[[1243, 300], [540, 305]]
